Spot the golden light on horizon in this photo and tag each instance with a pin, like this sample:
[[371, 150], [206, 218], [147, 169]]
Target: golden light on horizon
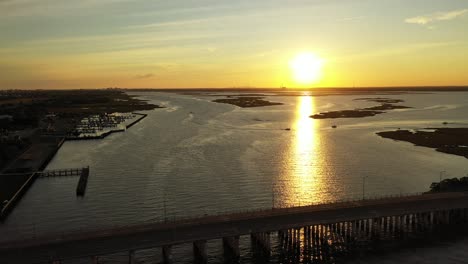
[[306, 68]]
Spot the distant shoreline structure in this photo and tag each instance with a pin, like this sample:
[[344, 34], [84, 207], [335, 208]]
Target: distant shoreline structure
[[316, 89], [427, 88]]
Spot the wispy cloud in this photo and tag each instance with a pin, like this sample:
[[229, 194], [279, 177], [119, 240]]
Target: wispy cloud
[[351, 18], [25, 8], [400, 50], [144, 76], [434, 17]]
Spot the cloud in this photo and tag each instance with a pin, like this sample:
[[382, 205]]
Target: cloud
[[26, 8], [434, 17], [144, 76], [401, 50]]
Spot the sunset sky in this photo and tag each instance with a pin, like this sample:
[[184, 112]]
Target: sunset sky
[[242, 43]]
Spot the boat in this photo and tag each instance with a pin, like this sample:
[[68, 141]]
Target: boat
[[334, 126]]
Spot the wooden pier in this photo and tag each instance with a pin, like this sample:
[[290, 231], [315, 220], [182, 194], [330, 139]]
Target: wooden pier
[[82, 172], [81, 187], [62, 172], [142, 116]]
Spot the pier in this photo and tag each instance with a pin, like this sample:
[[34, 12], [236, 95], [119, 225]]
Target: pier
[[81, 187], [314, 233], [62, 172], [6, 208], [38, 155], [142, 116], [82, 172]]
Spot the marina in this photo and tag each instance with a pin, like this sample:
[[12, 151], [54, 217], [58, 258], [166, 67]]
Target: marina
[[100, 126]]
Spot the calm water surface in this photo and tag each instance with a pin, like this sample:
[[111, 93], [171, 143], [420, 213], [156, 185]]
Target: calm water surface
[[197, 157]]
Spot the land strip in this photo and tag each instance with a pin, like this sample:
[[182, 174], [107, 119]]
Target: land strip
[[447, 140]]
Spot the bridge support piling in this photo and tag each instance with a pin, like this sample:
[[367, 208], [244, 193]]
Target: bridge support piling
[[290, 240], [367, 228], [297, 242], [281, 238], [386, 224], [262, 241], [429, 221], [436, 219], [199, 251], [95, 260], [167, 254], [231, 246], [131, 257], [314, 235], [307, 243]]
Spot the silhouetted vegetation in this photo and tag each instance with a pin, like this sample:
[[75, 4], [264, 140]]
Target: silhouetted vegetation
[[386, 105], [246, 101], [450, 185], [447, 140]]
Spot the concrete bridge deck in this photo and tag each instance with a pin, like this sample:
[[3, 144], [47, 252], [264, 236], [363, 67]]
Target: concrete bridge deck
[[145, 236]]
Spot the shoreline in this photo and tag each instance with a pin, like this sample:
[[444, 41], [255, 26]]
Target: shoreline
[[447, 88], [246, 101], [448, 140], [386, 104], [5, 210]]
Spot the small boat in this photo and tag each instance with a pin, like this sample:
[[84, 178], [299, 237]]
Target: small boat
[[334, 126], [287, 129]]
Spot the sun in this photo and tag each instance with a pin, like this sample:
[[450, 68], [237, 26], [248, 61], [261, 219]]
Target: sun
[[306, 68]]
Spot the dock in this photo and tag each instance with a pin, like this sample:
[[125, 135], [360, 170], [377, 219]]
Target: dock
[[62, 172], [142, 116], [82, 172], [81, 187]]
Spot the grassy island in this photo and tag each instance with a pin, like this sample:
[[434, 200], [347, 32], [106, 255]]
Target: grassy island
[[447, 140], [386, 104], [247, 101]]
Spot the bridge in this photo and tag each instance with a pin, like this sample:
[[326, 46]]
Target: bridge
[[313, 233]]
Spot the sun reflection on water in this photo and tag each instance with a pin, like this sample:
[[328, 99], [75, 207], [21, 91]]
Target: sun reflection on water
[[302, 183]]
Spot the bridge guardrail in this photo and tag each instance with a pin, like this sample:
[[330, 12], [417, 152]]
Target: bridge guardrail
[[174, 219]]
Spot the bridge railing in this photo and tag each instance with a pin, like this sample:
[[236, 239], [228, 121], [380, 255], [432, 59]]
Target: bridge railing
[[292, 208], [201, 218]]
